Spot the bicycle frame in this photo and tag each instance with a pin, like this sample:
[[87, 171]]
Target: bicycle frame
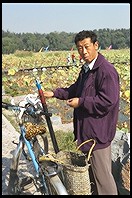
[[18, 151], [14, 179]]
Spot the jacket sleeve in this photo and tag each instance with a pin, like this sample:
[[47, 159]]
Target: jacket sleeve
[[106, 97], [66, 93]]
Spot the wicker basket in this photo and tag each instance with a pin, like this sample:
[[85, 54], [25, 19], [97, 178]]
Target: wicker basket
[[76, 172]]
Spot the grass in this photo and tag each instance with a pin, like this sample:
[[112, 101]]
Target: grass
[[65, 141]]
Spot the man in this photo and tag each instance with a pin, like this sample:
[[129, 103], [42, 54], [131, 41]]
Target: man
[[95, 99]]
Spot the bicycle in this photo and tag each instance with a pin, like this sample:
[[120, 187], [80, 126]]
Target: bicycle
[[48, 176]]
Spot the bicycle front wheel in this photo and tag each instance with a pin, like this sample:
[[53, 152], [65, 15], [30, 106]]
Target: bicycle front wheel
[[56, 186], [37, 135], [40, 145]]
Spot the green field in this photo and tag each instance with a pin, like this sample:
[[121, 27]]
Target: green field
[[16, 83]]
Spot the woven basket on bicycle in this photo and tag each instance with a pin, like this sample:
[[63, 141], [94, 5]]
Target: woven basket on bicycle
[[33, 129], [76, 171]]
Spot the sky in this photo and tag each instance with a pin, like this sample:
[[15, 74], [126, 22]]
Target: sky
[[68, 17]]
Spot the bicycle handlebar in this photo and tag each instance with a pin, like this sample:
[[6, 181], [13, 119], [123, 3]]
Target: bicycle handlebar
[[30, 110], [10, 106]]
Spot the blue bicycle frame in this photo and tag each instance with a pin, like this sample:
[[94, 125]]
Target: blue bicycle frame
[[17, 154], [30, 150]]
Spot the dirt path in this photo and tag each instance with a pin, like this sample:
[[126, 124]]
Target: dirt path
[[8, 134]]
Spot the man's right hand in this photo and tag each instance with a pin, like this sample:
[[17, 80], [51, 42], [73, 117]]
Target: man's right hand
[[48, 94]]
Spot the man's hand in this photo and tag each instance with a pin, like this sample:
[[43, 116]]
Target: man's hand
[[73, 102], [48, 94]]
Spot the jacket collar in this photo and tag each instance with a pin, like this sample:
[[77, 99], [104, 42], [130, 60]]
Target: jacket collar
[[98, 61]]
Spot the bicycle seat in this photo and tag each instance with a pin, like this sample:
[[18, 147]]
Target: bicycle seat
[[50, 168]]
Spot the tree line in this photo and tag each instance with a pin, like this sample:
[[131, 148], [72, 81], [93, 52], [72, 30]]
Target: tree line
[[59, 41]]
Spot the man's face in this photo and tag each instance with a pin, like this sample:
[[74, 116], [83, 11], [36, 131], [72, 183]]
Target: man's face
[[87, 50]]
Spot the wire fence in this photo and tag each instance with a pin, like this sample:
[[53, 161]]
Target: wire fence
[[55, 67]]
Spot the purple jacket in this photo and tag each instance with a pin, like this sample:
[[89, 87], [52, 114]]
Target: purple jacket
[[97, 114]]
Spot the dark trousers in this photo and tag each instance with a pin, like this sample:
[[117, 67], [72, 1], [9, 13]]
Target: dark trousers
[[100, 171]]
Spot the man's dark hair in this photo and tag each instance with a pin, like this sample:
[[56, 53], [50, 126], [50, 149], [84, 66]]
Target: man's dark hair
[[85, 34]]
